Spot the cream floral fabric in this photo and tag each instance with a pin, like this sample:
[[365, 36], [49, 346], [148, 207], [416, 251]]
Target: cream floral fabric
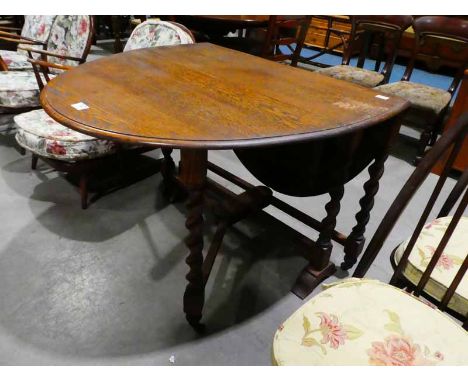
[[15, 60], [421, 96], [367, 322], [36, 27], [153, 33], [448, 265], [39, 133], [364, 77], [18, 89], [68, 37]]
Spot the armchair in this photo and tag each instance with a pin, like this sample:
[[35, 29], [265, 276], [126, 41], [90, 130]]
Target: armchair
[[65, 149], [69, 43], [35, 33]]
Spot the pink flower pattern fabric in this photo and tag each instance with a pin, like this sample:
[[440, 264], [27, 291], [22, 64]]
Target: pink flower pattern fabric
[[447, 265], [396, 350], [332, 331], [153, 33], [36, 27], [45, 137], [69, 36], [368, 322]]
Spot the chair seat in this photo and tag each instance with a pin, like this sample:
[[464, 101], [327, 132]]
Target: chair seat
[[363, 77], [15, 60], [421, 96], [447, 266], [45, 137], [19, 89], [367, 322]]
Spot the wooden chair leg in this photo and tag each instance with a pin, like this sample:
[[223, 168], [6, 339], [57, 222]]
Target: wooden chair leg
[[84, 190], [34, 160]]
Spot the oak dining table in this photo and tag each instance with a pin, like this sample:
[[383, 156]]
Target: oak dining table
[[300, 133]]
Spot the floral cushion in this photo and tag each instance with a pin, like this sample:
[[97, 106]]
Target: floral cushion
[[15, 60], [448, 264], [69, 37], [45, 137], [36, 27], [153, 33], [367, 322], [18, 89], [421, 96], [364, 77]]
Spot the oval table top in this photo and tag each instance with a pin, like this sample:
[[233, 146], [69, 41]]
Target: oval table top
[[210, 97]]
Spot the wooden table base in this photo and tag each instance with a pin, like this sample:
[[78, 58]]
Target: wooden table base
[[192, 180]]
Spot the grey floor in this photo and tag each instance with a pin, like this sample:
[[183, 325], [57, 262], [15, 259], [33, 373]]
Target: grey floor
[[105, 285]]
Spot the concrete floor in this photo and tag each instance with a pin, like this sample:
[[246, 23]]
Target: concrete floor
[[104, 286]]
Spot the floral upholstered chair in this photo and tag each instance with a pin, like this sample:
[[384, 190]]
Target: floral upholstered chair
[[68, 44], [152, 33], [368, 322], [35, 33], [68, 150], [429, 105], [365, 29]]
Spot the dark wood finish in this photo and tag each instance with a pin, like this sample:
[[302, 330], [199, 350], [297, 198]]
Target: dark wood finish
[[213, 27], [283, 31], [259, 106], [198, 106], [384, 30], [193, 176], [433, 54], [450, 34], [280, 32], [451, 141], [459, 107]]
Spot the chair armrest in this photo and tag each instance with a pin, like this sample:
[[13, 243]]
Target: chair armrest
[[18, 36], [45, 64], [9, 29], [47, 53]]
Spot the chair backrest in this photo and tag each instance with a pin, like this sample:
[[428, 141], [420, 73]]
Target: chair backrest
[[450, 141], [285, 31], [36, 27], [72, 36], [450, 37], [152, 33], [385, 32]]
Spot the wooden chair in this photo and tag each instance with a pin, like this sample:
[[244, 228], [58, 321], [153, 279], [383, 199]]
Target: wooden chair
[[282, 32], [368, 32], [69, 151], [429, 104], [35, 33], [367, 322], [69, 44], [285, 31]]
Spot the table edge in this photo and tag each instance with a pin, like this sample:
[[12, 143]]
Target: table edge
[[216, 144]]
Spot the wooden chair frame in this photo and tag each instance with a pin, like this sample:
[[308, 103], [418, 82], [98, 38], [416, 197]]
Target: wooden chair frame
[[454, 33], [365, 29], [274, 39], [450, 141]]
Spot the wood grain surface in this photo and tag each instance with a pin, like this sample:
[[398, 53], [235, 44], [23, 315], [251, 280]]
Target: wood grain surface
[[206, 96]]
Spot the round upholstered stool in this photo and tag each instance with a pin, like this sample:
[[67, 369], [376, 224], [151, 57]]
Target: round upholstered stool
[[43, 136], [367, 322]]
